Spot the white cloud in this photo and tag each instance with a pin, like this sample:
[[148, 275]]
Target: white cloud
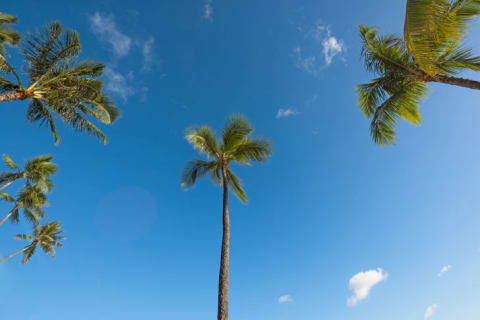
[[104, 25], [208, 10], [283, 113], [430, 311], [118, 84], [285, 299], [331, 47], [309, 59], [147, 52], [361, 284], [444, 270]]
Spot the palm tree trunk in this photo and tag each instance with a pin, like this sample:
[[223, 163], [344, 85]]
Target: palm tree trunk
[[18, 95], [13, 254], [11, 181], [224, 260], [460, 82], [10, 213]]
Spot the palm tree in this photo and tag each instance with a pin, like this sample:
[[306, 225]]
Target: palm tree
[[36, 172], [32, 199], [236, 146], [47, 236], [431, 51], [7, 34], [58, 83]]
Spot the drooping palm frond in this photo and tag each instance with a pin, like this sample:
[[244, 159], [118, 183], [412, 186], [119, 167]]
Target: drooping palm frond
[[196, 169], [433, 27], [7, 34], [31, 199], [236, 184]]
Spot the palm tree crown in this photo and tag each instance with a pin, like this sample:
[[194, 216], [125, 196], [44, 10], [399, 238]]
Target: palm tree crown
[[47, 237], [431, 51], [235, 146], [59, 85]]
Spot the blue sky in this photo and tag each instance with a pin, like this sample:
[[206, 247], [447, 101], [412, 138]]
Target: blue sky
[[329, 209]]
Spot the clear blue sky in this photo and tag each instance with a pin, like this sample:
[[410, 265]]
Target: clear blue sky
[[328, 205]]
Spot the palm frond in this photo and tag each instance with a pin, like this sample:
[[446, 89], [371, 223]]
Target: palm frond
[[45, 48], [402, 104], [237, 129], [252, 149], [433, 27], [7, 34], [9, 162], [203, 139], [196, 169], [236, 184]]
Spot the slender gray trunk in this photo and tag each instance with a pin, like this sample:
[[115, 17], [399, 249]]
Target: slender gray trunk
[[224, 260], [17, 95], [459, 82]]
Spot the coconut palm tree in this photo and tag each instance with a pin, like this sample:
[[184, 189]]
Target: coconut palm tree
[[235, 146], [7, 34], [47, 237], [36, 172], [32, 199], [431, 51], [59, 85]]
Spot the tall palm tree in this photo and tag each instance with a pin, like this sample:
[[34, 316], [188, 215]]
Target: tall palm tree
[[431, 51], [58, 83], [36, 172], [7, 34], [47, 237], [235, 146]]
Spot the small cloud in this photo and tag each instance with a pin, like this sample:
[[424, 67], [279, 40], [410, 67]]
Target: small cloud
[[331, 47], [283, 113], [118, 84], [285, 299], [208, 10], [444, 270], [363, 282], [430, 311], [104, 25], [308, 58], [147, 53]]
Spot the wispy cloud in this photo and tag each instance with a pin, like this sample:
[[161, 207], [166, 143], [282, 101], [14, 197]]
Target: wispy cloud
[[118, 84], [309, 58], [147, 53], [444, 270], [283, 113], [104, 25], [430, 311], [361, 284], [208, 10], [285, 299]]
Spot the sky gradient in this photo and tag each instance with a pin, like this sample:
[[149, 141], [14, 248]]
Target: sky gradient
[[335, 227]]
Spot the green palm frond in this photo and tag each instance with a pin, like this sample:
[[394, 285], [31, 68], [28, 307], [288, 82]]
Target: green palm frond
[[237, 129], [6, 197], [7, 34], [457, 59], [196, 169], [236, 184], [251, 149], [203, 139], [9, 162], [404, 103], [433, 27]]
